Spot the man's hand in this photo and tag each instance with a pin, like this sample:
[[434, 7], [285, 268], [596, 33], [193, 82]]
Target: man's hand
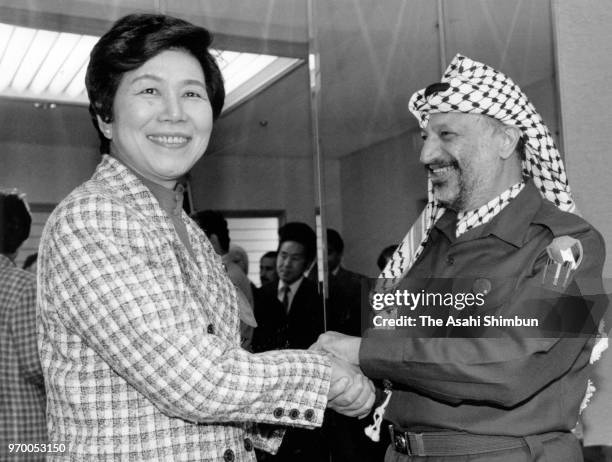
[[343, 346], [350, 392]]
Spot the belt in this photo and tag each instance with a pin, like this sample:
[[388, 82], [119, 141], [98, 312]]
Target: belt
[[459, 443]]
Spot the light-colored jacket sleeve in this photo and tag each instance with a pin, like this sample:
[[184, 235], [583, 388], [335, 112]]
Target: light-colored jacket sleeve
[[112, 282]]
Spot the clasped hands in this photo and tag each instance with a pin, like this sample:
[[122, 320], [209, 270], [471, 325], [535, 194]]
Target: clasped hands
[[351, 393]]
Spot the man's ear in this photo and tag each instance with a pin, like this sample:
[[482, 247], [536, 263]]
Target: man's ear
[[105, 127], [510, 136]]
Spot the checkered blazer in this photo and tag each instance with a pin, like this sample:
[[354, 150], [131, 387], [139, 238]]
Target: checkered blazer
[[140, 343], [22, 392]]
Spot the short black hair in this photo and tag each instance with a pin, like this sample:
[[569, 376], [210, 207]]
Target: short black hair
[[212, 222], [132, 41], [15, 220], [301, 233], [334, 240], [269, 254], [385, 255]]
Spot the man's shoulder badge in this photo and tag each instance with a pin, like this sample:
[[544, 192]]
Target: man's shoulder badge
[[564, 258]]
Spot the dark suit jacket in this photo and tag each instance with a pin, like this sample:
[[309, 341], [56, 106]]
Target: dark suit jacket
[[344, 303], [299, 329]]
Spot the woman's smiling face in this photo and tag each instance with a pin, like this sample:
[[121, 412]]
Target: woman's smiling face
[[162, 118]]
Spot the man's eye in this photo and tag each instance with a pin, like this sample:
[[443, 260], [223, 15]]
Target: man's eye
[[423, 136], [446, 134]]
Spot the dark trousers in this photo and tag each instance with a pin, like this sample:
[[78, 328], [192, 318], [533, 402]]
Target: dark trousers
[[564, 448]]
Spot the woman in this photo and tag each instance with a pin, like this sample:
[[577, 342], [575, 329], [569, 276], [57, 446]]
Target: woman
[[139, 325]]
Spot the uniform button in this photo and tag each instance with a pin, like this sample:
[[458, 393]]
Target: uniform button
[[450, 260], [210, 329], [228, 456], [309, 414], [248, 445], [294, 414], [278, 412]]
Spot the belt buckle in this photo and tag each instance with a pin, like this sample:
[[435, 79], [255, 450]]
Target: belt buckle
[[408, 443], [400, 441]]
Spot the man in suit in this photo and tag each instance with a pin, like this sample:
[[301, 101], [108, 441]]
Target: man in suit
[[290, 315], [289, 312], [344, 315], [344, 304]]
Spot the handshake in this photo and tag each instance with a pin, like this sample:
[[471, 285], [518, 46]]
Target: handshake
[[351, 393]]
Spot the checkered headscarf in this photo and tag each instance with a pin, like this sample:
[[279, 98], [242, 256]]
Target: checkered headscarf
[[475, 88]]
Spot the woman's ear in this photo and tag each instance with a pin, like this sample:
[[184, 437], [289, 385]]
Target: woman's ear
[[510, 136], [105, 127]]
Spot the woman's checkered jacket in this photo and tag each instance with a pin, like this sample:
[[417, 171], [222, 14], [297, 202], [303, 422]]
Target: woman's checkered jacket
[[140, 344]]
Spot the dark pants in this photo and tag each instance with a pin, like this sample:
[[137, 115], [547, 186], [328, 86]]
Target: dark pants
[[564, 448], [597, 453]]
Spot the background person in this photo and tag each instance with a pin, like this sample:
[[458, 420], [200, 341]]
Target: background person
[[267, 268], [215, 227], [22, 390], [139, 327]]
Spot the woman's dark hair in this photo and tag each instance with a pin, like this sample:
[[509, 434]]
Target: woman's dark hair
[[132, 41]]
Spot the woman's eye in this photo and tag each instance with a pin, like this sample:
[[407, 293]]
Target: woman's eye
[[446, 134], [149, 91], [193, 94]]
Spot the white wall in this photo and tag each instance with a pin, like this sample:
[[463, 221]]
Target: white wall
[[584, 60], [45, 173]]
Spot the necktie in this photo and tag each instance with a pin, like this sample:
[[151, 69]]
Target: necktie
[[286, 290]]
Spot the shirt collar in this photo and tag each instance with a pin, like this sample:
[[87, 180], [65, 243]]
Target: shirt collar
[[171, 201], [510, 225], [294, 286]]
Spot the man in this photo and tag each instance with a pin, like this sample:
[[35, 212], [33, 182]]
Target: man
[[290, 312], [496, 227], [215, 227], [267, 268], [290, 315], [22, 392], [344, 315], [344, 304]]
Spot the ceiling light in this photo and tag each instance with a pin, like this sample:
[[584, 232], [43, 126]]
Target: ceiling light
[[50, 66]]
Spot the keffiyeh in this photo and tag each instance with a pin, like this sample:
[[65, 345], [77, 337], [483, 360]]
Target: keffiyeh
[[475, 88]]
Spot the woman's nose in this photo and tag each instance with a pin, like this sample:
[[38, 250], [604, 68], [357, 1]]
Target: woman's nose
[[173, 109]]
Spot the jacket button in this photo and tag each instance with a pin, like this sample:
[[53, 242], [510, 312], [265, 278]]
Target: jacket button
[[450, 260], [248, 445], [210, 329], [228, 456], [309, 415], [294, 414], [278, 412]]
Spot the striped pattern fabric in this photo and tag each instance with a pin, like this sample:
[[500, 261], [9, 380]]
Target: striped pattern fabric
[[22, 393], [140, 344]]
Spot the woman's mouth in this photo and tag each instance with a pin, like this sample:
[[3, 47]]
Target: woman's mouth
[[171, 141]]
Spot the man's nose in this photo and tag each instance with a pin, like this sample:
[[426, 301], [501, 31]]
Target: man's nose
[[429, 151]]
